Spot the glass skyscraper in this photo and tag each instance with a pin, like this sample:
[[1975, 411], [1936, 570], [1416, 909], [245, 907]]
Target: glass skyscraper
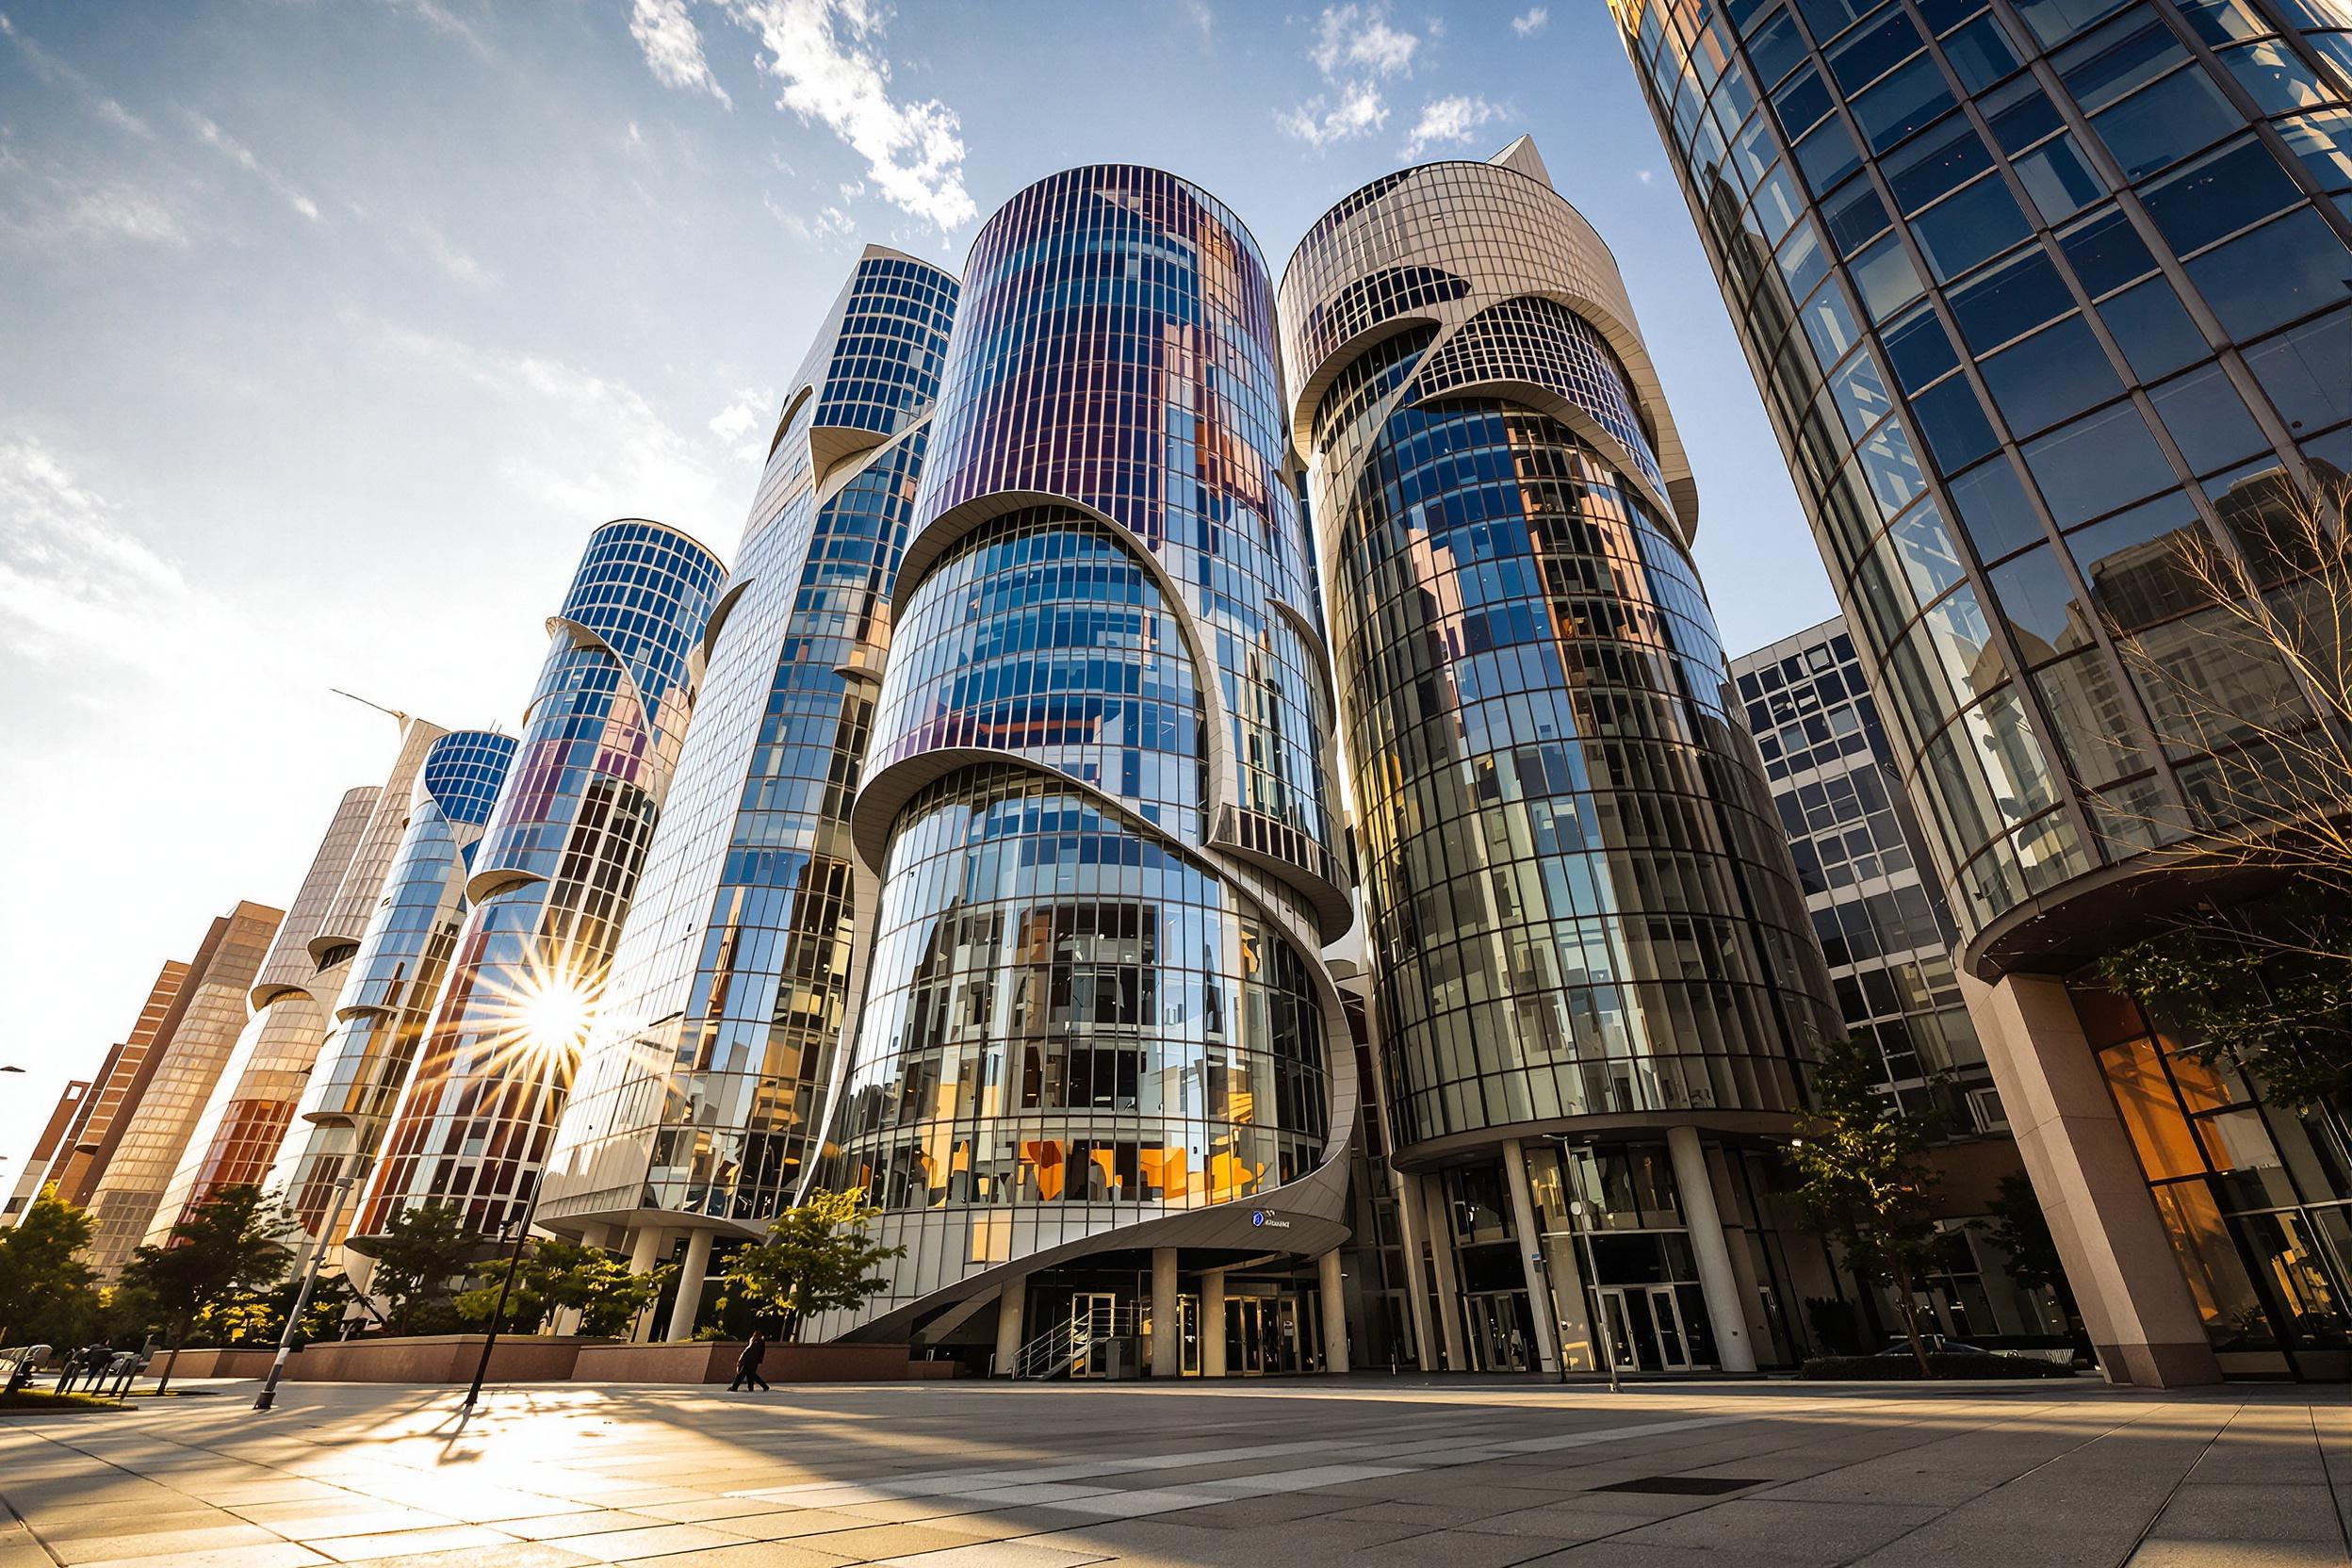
[[1099, 1052], [701, 1096], [394, 977], [1580, 919], [551, 881], [2038, 291]]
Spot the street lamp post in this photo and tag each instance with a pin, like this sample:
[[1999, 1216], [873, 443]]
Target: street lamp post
[[343, 1187], [506, 1286]]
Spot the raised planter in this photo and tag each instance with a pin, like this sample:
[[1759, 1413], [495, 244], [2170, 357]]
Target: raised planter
[[436, 1359], [239, 1363], [713, 1362]]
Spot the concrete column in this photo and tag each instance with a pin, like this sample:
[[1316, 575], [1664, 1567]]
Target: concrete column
[[1012, 1303], [2119, 1259], [1532, 1252], [1334, 1292], [1577, 1340], [1168, 1345], [1417, 1279], [1750, 1292], [690, 1278], [1735, 1351], [1213, 1323], [1432, 1191], [644, 1251]]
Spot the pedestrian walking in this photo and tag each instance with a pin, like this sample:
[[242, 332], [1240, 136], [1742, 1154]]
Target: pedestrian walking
[[747, 1364]]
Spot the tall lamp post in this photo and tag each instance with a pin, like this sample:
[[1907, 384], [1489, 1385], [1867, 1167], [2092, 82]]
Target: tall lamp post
[[506, 1286], [344, 1186]]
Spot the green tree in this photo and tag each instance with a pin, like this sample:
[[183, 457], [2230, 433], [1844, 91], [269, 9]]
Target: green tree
[[1865, 1186], [555, 1274], [817, 1258], [2022, 1230], [229, 1249], [419, 1253], [45, 1291]]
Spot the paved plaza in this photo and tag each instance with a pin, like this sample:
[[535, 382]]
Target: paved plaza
[[1298, 1475]]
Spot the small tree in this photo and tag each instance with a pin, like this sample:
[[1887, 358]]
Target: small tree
[[45, 1291], [230, 1246], [817, 1258], [598, 1286], [527, 1303], [2022, 1230], [419, 1253], [1865, 1186]]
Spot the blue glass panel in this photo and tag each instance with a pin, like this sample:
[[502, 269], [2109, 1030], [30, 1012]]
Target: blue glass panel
[[2020, 114], [2106, 252], [2059, 179], [2219, 194], [1872, 51], [1981, 54], [2010, 301], [1944, 159], [2282, 271], [1776, 49], [1854, 216], [2129, 53], [2167, 123], [1993, 509], [1901, 103], [1828, 155], [1970, 226], [2098, 464], [2308, 372], [2154, 332], [2208, 419], [1886, 278], [2051, 376], [2322, 143], [1919, 348], [1952, 423]]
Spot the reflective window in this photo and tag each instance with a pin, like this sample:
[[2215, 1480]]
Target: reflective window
[[2208, 419], [1994, 509], [1828, 154], [2132, 561], [2153, 328], [1901, 103], [2279, 272], [1981, 52], [2055, 21], [2219, 21], [2010, 301], [1776, 49], [2219, 194], [1872, 51], [2276, 77], [2091, 717], [2051, 376], [2322, 143], [2059, 179], [1944, 159], [1886, 278], [2165, 123], [2038, 601], [1828, 18], [1854, 216], [2098, 464], [2126, 54], [1920, 347], [1952, 421], [1970, 226], [2308, 372], [2106, 252], [1800, 104], [1829, 322], [2020, 114]]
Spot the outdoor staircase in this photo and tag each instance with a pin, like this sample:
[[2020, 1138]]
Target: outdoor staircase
[[1065, 1345]]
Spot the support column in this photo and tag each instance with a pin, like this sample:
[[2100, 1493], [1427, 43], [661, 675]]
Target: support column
[[688, 1304], [1213, 1323], [2119, 1258], [1417, 1279], [1012, 1303], [1736, 1237], [1735, 1351], [1334, 1289], [1532, 1251], [1168, 1342], [1433, 1189], [645, 1251]]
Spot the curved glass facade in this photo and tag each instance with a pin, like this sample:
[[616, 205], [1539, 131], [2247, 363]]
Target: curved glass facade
[[702, 1091], [2034, 291], [552, 880], [1577, 898], [1096, 794], [395, 976]]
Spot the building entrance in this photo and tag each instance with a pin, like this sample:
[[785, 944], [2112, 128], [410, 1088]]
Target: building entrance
[[1645, 1328], [1260, 1335], [1094, 1324], [1501, 1331]]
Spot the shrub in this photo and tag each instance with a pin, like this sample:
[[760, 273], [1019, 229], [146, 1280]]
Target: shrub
[[1939, 1366]]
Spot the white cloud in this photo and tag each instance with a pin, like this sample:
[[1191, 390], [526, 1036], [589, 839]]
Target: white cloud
[[1319, 120], [458, 264], [1354, 37], [51, 206], [1204, 19], [1448, 119], [1530, 21], [237, 151], [749, 414], [72, 583], [1646, 175], [819, 50], [51, 68], [442, 20], [673, 47]]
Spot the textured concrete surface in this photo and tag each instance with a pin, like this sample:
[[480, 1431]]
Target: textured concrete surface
[[1302, 1474]]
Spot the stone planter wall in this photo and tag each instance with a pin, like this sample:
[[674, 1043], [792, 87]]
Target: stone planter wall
[[239, 1363], [713, 1362], [436, 1359]]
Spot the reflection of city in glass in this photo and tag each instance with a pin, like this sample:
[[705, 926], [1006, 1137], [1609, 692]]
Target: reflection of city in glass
[[1576, 902], [701, 1090], [2037, 291], [395, 973], [1097, 1016], [551, 881]]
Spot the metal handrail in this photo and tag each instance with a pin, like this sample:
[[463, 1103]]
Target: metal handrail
[[1064, 1345]]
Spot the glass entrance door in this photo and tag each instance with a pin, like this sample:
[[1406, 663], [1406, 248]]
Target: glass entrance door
[[1501, 1333], [1245, 1336], [1092, 1317], [1645, 1328]]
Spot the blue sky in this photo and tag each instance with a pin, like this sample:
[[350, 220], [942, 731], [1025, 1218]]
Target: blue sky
[[334, 325]]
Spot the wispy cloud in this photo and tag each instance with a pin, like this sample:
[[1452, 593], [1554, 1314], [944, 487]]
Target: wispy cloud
[[822, 52], [1449, 119], [51, 206], [51, 68], [238, 153], [1530, 21], [747, 413], [673, 47], [455, 263], [1203, 18], [73, 581], [1354, 49], [442, 20]]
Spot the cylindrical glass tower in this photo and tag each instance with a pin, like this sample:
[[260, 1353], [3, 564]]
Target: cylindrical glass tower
[[2045, 297], [552, 879], [701, 1095], [1097, 1018], [395, 976], [1581, 913]]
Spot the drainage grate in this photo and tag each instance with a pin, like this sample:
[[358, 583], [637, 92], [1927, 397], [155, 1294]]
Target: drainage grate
[[1683, 1486]]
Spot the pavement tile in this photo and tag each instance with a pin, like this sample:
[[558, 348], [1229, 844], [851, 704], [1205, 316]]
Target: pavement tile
[[790, 1523], [449, 1537], [161, 1542], [2239, 1554], [755, 1554], [999, 1554], [2250, 1512], [563, 1525], [525, 1553], [652, 1540], [278, 1554], [1813, 1532]]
